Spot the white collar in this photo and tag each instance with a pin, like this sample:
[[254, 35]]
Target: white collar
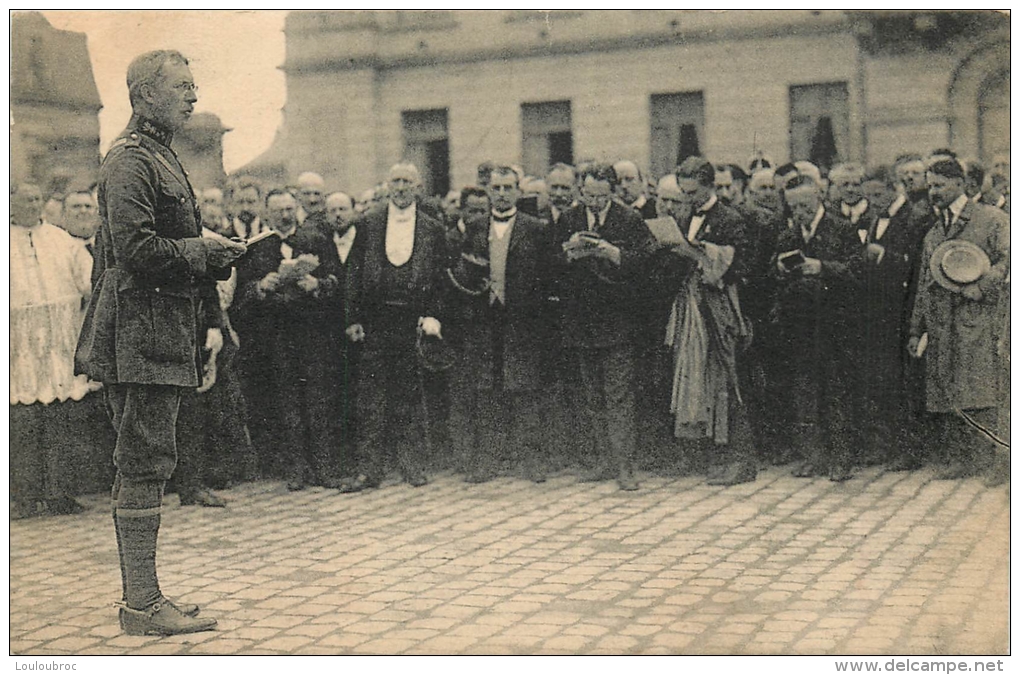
[[809, 233], [640, 202], [709, 204], [855, 210], [895, 207], [958, 205], [395, 212]]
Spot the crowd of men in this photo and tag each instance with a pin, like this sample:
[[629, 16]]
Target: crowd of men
[[718, 320]]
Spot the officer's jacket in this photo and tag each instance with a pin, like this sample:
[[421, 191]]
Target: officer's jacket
[[152, 293]]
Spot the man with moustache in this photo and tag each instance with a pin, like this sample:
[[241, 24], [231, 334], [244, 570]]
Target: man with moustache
[[341, 215], [962, 321], [502, 332], [632, 189], [309, 192], [395, 279], [290, 332], [152, 273], [245, 205]]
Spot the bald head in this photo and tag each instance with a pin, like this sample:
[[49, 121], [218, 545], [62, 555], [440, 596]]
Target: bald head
[[669, 200], [631, 185], [310, 190]]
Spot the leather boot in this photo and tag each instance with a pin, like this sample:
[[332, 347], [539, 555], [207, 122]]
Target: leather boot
[[162, 618]]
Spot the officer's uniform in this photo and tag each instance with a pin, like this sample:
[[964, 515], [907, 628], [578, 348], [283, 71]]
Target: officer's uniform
[[144, 327]]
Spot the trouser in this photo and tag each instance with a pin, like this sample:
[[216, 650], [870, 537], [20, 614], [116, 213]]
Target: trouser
[[498, 424], [607, 383], [144, 418], [391, 412], [960, 442]]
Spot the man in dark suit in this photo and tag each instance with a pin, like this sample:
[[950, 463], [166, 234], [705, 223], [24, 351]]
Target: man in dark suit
[[890, 254], [290, 331], [500, 333], [706, 288], [341, 213], [140, 337], [395, 278], [816, 316], [605, 246]]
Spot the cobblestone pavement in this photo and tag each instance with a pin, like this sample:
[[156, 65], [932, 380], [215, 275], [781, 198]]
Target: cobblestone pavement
[[885, 563]]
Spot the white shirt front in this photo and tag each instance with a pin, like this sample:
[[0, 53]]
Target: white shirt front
[[344, 242], [809, 233], [246, 232], [883, 223], [595, 222], [400, 234], [699, 218], [855, 212]]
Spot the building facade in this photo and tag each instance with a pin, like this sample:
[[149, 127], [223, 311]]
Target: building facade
[[54, 104], [450, 89]]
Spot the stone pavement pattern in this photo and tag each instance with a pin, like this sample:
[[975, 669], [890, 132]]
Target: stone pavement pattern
[[885, 563]]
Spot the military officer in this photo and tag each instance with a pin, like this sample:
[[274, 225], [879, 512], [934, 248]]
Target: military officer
[[140, 338]]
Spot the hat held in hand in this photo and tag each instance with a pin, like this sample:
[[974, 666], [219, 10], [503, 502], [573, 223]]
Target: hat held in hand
[[956, 263]]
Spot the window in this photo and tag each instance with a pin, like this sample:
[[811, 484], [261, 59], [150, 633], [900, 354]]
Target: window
[[678, 127], [427, 145], [546, 134], [820, 123]]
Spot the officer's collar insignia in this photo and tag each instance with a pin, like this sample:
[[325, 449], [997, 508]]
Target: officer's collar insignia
[[155, 131]]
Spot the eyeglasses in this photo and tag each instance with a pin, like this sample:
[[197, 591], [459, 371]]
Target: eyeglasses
[[186, 86]]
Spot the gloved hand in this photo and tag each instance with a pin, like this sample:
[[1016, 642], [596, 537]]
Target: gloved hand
[[430, 326]]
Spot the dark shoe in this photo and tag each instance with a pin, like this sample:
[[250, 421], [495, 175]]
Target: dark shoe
[[163, 618], [65, 506], [295, 485], [478, 476], [349, 486], [839, 474], [998, 473], [905, 463], [185, 608], [417, 480], [806, 470], [735, 474], [203, 498], [627, 481], [597, 475], [955, 471]]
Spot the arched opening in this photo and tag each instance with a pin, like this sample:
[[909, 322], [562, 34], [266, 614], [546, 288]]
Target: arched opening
[[993, 117]]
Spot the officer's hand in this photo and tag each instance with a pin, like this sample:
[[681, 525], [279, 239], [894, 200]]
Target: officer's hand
[[912, 344], [308, 283], [430, 327], [355, 333], [874, 252], [223, 252], [270, 282], [972, 292]]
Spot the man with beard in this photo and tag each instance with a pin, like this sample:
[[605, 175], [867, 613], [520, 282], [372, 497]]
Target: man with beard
[[394, 284], [309, 192], [285, 313], [141, 336]]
